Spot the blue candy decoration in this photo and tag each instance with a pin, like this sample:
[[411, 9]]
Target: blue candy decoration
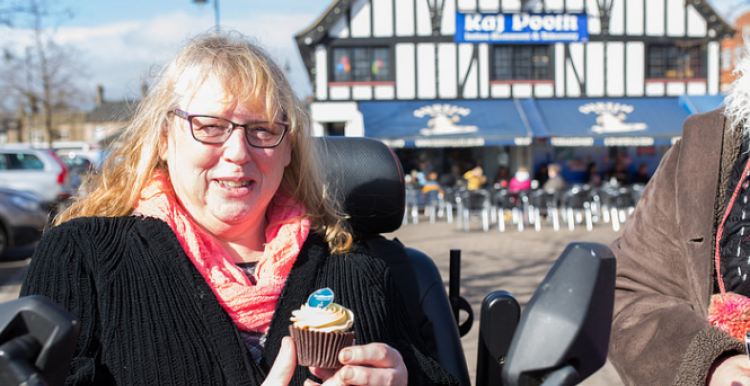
[[320, 298]]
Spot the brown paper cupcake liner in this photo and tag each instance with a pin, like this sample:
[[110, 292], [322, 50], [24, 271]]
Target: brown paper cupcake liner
[[320, 349]]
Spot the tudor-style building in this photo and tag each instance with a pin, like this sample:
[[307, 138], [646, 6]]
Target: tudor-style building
[[518, 82]]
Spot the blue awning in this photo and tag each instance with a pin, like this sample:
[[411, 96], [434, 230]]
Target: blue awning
[[642, 121], [701, 103], [448, 123]]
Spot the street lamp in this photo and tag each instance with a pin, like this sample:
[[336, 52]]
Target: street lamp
[[216, 9]]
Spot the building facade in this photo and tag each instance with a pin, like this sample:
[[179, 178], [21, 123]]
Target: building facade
[[514, 82]]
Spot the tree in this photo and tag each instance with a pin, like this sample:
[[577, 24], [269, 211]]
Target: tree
[[44, 73]]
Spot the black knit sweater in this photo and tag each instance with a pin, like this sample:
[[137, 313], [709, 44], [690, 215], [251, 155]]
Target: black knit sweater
[[148, 316]]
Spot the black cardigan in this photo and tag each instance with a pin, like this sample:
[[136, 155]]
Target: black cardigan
[[148, 316]]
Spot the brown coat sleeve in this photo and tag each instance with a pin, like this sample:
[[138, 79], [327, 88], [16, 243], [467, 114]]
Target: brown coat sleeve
[[664, 269]]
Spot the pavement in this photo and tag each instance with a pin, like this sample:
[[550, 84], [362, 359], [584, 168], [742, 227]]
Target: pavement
[[512, 261]]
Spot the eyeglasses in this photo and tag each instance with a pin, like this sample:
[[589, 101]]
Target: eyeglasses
[[208, 129]]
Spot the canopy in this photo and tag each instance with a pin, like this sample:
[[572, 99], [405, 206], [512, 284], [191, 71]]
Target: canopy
[[448, 123], [646, 121]]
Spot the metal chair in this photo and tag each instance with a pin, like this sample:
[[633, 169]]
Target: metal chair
[[505, 203], [577, 201], [543, 204], [475, 202]]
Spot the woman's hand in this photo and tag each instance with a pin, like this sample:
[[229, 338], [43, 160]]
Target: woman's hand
[[283, 367], [730, 371], [371, 364]]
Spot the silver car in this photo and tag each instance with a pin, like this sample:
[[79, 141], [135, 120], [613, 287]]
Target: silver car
[[23, 217], [35, 170]]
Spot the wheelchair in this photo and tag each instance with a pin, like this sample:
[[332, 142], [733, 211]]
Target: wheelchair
[[559, 339]]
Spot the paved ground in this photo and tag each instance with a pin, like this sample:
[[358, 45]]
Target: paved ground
[[512, 261]]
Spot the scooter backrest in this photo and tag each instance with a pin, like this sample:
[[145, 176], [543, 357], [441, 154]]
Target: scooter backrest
[[368, 179]]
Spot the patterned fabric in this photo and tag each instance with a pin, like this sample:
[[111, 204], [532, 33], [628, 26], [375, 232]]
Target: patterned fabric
[[735, 242], [255, 341], [250, 306]]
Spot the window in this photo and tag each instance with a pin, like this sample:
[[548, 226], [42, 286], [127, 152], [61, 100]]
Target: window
[[521, 62], [22, 161], [355, 64], [668, 62]]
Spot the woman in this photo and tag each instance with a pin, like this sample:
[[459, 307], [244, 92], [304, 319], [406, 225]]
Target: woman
[[521, 181], [202, 233]]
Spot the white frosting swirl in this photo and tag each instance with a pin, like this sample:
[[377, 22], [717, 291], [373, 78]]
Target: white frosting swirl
[[334, 317]]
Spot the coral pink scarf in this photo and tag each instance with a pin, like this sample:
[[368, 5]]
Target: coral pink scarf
[[250, 306]]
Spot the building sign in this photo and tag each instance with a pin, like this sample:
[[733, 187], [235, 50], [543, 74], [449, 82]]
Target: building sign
[[521, 28], [611, 117]]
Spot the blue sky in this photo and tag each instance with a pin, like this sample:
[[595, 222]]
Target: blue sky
[[119, 42]]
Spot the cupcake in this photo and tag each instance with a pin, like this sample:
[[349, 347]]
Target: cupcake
[[321, 329]]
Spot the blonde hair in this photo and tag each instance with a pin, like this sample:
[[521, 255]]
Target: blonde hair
[[248, 73]]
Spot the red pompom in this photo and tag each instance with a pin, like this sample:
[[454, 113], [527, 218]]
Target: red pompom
[[731, 313]]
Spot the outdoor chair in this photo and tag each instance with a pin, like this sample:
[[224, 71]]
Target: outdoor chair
[[505, 203], [476, 203], [543, 204], [621, 204], [576, 203]]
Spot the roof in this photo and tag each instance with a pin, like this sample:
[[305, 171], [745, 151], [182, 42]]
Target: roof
[[113, 112]]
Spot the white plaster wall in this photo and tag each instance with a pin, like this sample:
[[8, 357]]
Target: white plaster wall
[[447, 70], [321, 72], [385, 92], [560, 69], [500, 90], [714, 52], [405, 62], [362, 92], [635, 16], [360, 15], [484, 70], [576, 55], [655, 89], [594, 72], [697, 26], [467, 68], [426, 71], [595, 26], [544, 90], [615, 69], [676, 17], [488, 5], [655, 18], [339, 92], [382, 14], [339, 29], [635, 68], [617, 18], [448, 22], [697, 88], [424, 23], [523, 90], [675, 88], [405, 18]]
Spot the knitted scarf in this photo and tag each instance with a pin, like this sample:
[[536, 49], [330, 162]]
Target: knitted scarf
[[250, 306]]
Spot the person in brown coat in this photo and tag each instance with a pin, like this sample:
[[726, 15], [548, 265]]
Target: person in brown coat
[[666, 260]]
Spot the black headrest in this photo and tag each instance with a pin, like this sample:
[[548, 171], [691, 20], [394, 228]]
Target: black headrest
[[368, 179]]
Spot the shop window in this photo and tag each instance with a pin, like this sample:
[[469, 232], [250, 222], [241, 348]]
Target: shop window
[[359, 64], [522, 62], [672, 62]]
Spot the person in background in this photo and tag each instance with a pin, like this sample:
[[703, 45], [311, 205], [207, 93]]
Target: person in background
[[475, 178], [555, 182], [641, 175], [592, 177], [681, 307], [205, 229], [619, 174], [541, 174], [452, 178], [432, 183], [502, 177], [521, 181]]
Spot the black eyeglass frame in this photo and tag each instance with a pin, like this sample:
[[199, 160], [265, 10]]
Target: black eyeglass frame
[[189, 118]]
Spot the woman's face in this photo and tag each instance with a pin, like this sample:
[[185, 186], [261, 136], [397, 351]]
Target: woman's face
[[225, 187]]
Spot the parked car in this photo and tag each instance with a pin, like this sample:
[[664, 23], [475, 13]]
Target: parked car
[[35, 170], [23, 217]]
